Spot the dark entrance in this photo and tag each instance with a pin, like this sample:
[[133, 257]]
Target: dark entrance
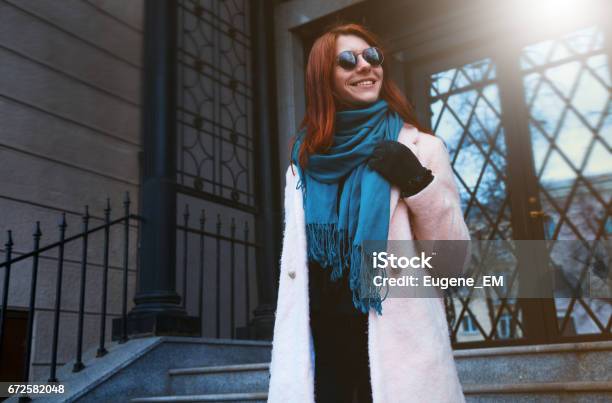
[[13, 347]]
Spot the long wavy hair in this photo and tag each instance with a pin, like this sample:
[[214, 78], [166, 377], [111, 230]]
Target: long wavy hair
[[321, 104]]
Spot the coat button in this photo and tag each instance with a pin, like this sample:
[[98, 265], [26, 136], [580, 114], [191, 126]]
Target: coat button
[[292, 274]]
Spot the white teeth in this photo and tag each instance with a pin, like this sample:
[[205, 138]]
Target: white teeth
[[365, 83]]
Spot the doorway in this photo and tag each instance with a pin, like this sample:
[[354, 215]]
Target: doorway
[[528, 127]]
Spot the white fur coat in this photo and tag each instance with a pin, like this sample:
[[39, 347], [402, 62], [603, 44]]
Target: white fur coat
[[409, 348]]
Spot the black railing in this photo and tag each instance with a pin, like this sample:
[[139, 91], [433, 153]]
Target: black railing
[[225, 259], [213, 263], [59, 246]]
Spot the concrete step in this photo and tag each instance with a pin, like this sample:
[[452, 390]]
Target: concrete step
[[550, 364], [579, 392], [572, 372], [569, 392], [255, 397], [240, 378], [149, 374]]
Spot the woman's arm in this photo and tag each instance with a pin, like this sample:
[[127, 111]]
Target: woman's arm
[[435, 212], [419, 165]]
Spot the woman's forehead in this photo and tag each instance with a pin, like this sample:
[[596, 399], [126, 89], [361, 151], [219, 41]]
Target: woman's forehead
[[351, 42]]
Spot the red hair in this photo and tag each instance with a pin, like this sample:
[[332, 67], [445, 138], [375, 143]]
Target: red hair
[[321, 105]]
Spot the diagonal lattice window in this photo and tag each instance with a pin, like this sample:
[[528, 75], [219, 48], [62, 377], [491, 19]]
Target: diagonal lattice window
[[568, 95], [466, 114]]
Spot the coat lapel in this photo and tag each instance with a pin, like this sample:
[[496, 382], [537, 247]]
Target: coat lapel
[[292, 363]]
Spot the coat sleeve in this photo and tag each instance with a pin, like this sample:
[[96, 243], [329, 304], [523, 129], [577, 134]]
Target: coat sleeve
[[435, 212]]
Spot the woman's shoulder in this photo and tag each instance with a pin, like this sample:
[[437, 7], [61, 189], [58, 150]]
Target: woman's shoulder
[[291, 175], [293, 170], [290, 171], [410, 135]]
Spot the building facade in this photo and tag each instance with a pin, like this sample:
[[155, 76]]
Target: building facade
[[190, 107]]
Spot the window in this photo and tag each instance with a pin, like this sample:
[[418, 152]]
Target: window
[[468, 325], [503, 326]]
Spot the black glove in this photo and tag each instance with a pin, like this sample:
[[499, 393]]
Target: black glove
[[399, 166]]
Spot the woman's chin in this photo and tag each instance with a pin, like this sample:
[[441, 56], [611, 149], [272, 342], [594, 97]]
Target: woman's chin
[[366, 100]]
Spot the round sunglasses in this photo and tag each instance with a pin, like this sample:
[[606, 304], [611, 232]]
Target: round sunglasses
[[348, 59]]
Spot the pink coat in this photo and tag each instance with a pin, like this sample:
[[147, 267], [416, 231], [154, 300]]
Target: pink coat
[[409, 348]]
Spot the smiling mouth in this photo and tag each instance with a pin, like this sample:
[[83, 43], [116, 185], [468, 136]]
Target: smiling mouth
[[364, 83]]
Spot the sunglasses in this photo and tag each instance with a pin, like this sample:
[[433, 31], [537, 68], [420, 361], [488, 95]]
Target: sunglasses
[[348, 59]]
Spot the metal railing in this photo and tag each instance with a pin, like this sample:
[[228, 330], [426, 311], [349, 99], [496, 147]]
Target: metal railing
[[10, 261], [205, 253], [215, 262]]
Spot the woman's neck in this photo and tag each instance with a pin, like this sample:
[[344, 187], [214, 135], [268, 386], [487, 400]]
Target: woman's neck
[[344, 106]]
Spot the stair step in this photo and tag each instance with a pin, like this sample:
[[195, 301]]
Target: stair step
[[130, 371], [223, 397], [535, 387], [220, 368], [574, 392], [541, 364], [239, 378], [572, 372]]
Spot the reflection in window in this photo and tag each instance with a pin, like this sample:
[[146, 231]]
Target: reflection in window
[[567, 90], [466, 114]]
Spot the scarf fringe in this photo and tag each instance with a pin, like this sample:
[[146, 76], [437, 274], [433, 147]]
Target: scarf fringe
[[332, 248]]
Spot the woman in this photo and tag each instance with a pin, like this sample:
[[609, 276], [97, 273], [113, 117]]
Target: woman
[[364, 172]]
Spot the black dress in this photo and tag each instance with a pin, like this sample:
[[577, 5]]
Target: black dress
[[340, 339]]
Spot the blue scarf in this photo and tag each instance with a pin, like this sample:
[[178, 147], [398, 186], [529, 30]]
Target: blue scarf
[[336, 228]]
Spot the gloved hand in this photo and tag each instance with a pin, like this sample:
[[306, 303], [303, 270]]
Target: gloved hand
[[399, 166]]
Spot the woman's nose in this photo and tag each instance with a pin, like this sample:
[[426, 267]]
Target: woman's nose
[[362, 65]]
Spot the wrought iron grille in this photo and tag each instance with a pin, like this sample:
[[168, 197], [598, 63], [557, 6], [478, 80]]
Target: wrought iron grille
[[215, 146], [215, 170], [568, 94], [466, 114]]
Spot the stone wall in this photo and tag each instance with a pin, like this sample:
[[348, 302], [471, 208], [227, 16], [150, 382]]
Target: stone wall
[[70, 107]]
